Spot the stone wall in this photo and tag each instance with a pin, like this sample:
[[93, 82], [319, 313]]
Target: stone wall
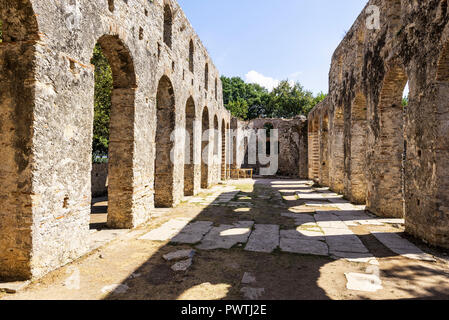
[[159, 68], [292, 145], [99, 180], [364, 143]]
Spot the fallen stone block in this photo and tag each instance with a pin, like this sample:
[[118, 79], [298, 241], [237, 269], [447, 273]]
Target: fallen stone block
[[182, 265], [363, 282], [248, 278], [178, 255]]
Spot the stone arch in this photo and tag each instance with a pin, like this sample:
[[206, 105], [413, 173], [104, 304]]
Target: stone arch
[[324, 151], [268, 126], [337, 160], [164, 178], [385, 189], [216, 137], [17, 103], [205, 145], [191, 56], [216, 89], [206, 77], [357, 167], [121, 132], [229, 151], [443, 64], [189, 166], [168, 25], [223, 150]]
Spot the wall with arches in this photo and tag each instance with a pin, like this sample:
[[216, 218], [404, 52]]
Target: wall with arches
[[394, 156], [47, 99]]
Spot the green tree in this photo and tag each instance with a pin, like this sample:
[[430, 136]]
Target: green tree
[[235, 91], [249, 101], [289, 100], [102, 102]]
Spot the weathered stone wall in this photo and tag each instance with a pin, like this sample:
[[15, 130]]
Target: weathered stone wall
[[292, 147], [393, 158], [46, 98], [99, 179]]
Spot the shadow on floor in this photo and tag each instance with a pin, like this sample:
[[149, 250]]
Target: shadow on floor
[[217, 274]]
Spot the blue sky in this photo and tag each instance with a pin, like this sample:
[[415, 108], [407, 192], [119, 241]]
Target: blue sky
[[269, 40]]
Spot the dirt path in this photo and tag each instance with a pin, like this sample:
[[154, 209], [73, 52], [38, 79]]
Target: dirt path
[[297, 220]]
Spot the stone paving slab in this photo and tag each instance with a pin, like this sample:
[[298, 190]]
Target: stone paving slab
[[301, 246], [401, 246], [265, 238], [299, 234], [356, 257], [102, 237], [300, 219], [226, 236], [193, 232], [167, 231]]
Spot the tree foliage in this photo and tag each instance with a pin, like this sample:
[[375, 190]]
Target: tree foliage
[[249, 101], [102, 102]]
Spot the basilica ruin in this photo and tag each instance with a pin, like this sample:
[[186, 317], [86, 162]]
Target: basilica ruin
[[362, 141]]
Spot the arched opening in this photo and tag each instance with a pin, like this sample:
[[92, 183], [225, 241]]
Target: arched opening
[[112, 145], [17, 101], [206, 77], [268, 130], [205, 144], [223, 151], [168, 25], [191, 56], [216, 89], [314, 150], [189, 166], [163, 180], [324, 156], [337, 160], [385, 186], [229, 151], [357, 174], [216, 137]]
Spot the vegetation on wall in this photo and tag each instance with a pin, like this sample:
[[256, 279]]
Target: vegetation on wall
[[250, 101]]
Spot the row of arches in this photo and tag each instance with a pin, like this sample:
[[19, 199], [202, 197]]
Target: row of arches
[[50, 195], [167, 37], [380, 138]]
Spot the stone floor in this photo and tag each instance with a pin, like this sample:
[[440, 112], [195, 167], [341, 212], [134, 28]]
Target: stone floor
[[262, 239]]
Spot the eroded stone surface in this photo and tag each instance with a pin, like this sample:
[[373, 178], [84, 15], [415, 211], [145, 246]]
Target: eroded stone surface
[[265, 238], [401, 246], [226, 236], [193, 233]]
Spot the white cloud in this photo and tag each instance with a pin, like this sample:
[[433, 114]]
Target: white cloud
[[268, 82], [256, 77]]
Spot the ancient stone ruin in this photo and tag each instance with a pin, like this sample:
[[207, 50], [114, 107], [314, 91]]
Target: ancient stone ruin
[[163, 81], [170, 133], [365, 142]]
